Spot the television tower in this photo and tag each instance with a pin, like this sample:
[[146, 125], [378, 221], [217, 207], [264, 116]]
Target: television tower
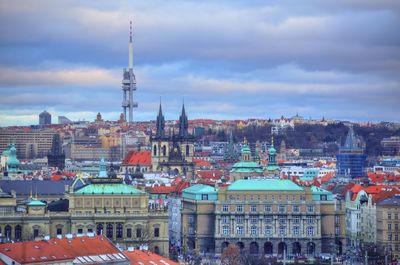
[[129, 83]]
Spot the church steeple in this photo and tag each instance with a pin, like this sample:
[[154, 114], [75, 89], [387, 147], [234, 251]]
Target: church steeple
[[183, 124], [160, 124]]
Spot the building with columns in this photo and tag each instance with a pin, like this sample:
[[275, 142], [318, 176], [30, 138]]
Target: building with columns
[[105, 206], [266, 216]]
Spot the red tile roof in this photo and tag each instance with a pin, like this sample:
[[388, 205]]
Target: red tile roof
[[161, 189], [147, 258], [59, 249], [201, 162], [356, 188], [142, 158], [387, 193], [214, 174], [327, 177], [382, 177]]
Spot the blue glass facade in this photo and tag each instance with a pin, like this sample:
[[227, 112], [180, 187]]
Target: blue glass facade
[[351, 165]]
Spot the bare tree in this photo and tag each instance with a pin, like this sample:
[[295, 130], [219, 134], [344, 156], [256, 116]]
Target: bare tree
[[231, 255]]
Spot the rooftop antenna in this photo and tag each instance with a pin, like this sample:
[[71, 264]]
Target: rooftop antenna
[[130, 46]]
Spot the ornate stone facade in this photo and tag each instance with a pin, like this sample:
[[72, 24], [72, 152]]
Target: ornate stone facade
[[265, 217], [173, 153], [106, 206]]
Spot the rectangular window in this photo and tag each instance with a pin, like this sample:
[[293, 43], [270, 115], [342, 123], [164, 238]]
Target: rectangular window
[[268, 208], [225, 230], [396, 226], [310, 231], [129, 232], [156, 232], [225, 208], [323, 198], [310, 220], [337, 230], [90, 230], [253, 230], [268, 219], [138, 232], [282, 230], [240, 219], [253, 208], [80, 231], [296, 208], [225, 219], [282, 208], [310, 208], [337, 219], [282, 220], [389, 216], [59, 231], [296, 219], [296, 230], [239, 208], [204, 197], [390, 237], [253, 219], [268, 230], [239, 230], [389, 226]]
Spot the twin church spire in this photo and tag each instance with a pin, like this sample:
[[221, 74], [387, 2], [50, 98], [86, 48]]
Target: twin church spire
[[183, 124]]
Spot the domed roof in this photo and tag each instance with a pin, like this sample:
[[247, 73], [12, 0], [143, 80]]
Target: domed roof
[[246, 149], [272, 150], [12, 159]]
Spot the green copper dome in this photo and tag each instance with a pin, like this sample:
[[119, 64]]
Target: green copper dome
[[272, 150], [245, 149], [246, 167], [35, 202], [12, 161]]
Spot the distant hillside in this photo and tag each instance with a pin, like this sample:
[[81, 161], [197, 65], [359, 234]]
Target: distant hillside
[[316, 136]]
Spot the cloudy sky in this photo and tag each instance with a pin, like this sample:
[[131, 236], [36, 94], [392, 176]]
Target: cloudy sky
[[227, 59]]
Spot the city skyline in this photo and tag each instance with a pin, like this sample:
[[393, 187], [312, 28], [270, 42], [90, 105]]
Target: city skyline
[[229, 60]]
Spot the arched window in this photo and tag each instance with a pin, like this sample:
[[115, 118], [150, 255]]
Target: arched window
[[7, 232], [187, 150], [156, 250], [109, 230], [155, 150], [99, 229], [119, 230], [18, 233], [164, 150]]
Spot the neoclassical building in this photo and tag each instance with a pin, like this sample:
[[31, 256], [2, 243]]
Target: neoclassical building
[[266, 216], [173, 153], [105, 206]]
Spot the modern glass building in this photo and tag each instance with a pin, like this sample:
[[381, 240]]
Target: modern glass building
[[351, 160]]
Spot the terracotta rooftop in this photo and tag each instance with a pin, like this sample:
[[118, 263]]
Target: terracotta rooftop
[[144, 257], [142, 158], [201, 162], [161, 189], [85, 250]]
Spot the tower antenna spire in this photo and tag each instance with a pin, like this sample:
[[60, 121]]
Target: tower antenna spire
[[129, 82], [130, 31]]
